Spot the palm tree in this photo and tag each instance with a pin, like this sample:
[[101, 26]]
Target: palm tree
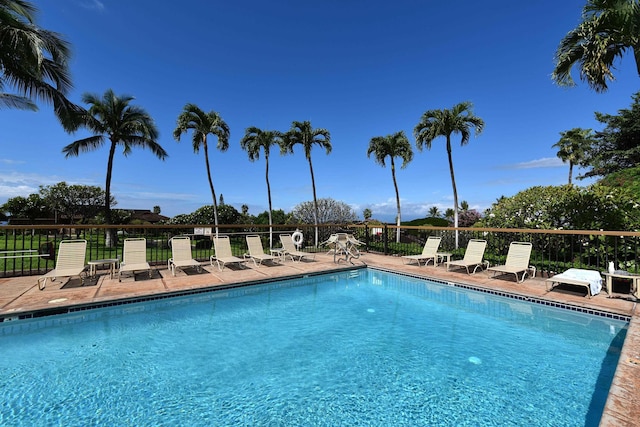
[[35, 62], [434, 212], [203, 124], [113, 118], [435, 123], [396, 145], [302, 133], [608, 29], [449, 214], [254, 139], [572, 146]]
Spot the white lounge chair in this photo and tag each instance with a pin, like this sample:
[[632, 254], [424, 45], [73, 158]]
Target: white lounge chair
[[256, 253], [590, 279], [517, 261], [181, 254], [289, 249], [333, 245], [429, 252], [134, 257], [223, 255], [343, 244], [69, 263], [473, 256], [348, 246]]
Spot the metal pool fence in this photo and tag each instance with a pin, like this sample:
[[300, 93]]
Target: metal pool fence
[[31, 249]]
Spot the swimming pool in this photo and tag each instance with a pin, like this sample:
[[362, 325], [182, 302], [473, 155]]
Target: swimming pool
[[356, 348]]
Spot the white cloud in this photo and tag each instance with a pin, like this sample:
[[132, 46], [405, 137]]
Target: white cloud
[[9, 191], [11, 162], [545, 162], [14, 184], [93, 5], [21, 184]]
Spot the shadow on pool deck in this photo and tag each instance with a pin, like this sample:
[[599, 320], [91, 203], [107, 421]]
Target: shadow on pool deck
[[21, 295]]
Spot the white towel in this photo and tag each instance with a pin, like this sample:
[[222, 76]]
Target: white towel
[[591, 276]]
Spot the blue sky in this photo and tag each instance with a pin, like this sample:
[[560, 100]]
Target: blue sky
[[360, 69]]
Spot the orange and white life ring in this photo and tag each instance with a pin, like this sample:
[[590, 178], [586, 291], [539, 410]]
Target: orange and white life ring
[[297, 238]]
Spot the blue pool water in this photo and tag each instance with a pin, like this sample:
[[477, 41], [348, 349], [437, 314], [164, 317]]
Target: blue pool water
[[356, 348]]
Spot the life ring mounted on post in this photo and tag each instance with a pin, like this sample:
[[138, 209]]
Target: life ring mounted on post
[[297, 238]]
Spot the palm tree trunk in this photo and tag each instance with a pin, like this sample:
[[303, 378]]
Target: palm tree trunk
[[213, 192], [315, 201], [109, 238], [455, 191], [570, 171], [395, 185], [269, 197]]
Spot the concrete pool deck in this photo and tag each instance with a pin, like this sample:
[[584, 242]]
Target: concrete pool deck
[[21, 297]]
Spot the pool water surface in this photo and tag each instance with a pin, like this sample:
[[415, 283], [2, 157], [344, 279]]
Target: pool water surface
[[356, 348]]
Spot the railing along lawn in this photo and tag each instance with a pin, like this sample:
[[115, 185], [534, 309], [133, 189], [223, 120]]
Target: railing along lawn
[[553, 250]]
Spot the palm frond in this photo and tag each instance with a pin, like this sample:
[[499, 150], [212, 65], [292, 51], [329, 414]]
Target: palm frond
[[33, 60], [201, 123], [128, 142], [18, 102], [84, 145], [608, 29], [304, 134]]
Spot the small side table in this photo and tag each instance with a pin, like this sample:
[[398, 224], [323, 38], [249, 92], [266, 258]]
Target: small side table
[[634, 278], [281, 253], [441, 256], [112, 262]]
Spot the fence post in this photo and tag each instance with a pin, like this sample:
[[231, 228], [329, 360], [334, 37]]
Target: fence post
[[385, 233], [366, 236]]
